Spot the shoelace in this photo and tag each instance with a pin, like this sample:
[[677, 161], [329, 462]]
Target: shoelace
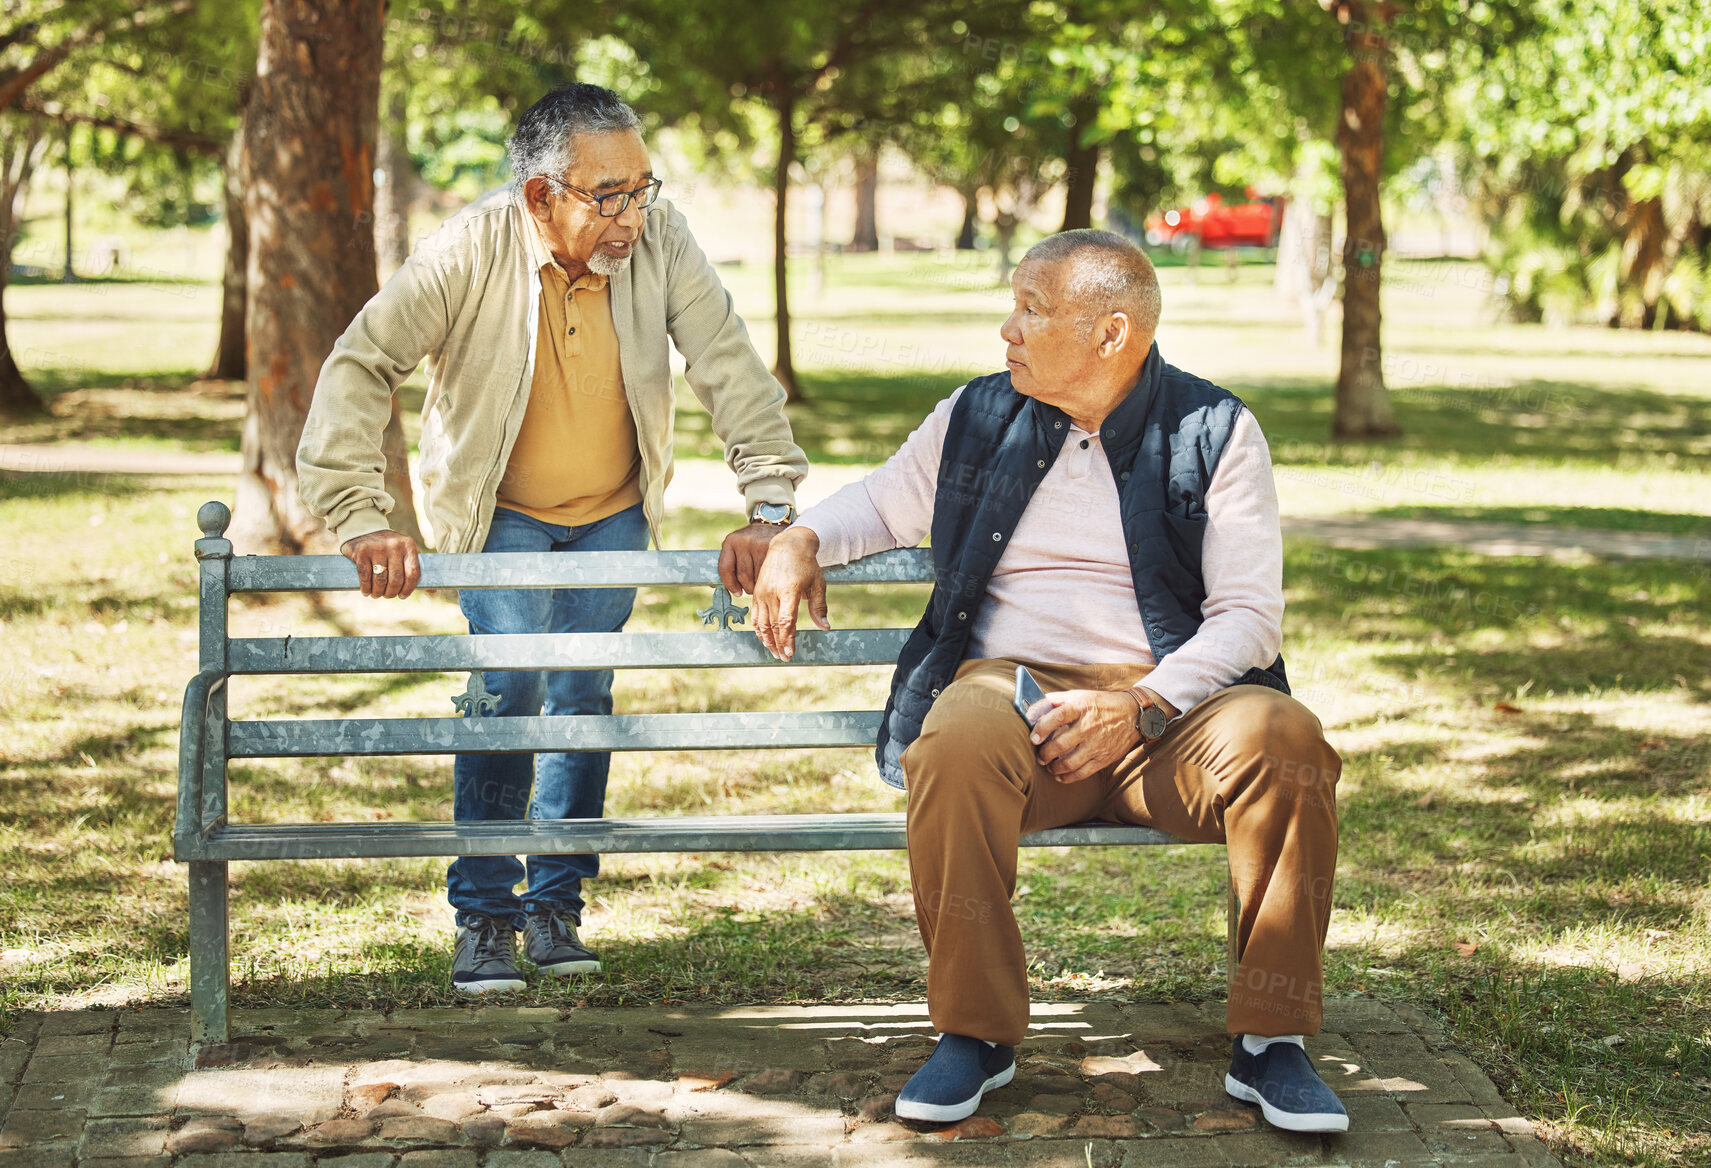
[[551, 929], [492, 943]]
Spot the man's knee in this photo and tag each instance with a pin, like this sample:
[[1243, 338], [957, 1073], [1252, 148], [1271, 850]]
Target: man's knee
[[971, 733], [1287, 741]]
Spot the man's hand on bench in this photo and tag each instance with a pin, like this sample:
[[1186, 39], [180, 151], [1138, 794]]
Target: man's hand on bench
[[741, 554], [386, 563], [790, 575]]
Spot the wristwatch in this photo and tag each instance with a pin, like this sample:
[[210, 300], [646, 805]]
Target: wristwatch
[[1150, 720], [777, 514]]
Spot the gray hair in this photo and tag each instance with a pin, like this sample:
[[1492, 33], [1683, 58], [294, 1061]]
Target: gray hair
[[1107, 273], [542, 143]]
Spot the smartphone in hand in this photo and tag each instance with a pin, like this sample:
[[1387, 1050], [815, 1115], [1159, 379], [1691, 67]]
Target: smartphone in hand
[[1030, 698]]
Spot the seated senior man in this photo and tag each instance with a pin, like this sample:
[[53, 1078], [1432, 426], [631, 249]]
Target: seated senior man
[[1109, 522]]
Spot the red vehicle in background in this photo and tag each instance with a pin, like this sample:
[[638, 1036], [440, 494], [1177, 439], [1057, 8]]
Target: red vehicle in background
[[1212, 224]]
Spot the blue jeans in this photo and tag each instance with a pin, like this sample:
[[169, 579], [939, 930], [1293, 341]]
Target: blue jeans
[[564, 786]]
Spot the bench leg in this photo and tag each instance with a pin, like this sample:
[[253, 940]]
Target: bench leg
[[1232, 914], [209, 953]]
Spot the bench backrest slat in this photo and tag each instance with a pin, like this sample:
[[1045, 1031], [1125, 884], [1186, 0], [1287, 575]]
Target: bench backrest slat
[[463, 651], [552, 570], [294, 738]]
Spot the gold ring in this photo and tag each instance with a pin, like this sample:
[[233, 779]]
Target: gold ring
[[378, 569]]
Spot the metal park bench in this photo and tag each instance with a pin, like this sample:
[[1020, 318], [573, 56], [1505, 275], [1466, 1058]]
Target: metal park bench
[[207, 841]]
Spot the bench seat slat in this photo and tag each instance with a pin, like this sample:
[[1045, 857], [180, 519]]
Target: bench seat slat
[[711, 833], [553, 570], [460, 652], [297, 738]]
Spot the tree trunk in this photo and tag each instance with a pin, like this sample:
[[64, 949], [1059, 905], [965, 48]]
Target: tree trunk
[[1004, 227], [1083, 159], [20, 146], [394, 196], [970, 220], [1363, 407], [229, 362], [17, 397], [784, 369], [865, 237], [67, 275], [309, 151]]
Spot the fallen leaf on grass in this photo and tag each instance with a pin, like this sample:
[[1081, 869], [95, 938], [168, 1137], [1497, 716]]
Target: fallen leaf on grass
[[1467, 948], [1653, 744], [1506, 708], [1424, 802], [1614, 1039]]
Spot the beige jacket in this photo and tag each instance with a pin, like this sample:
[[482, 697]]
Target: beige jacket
[[467, 300]]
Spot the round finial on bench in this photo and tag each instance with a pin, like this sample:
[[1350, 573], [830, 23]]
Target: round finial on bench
[[213, 519]]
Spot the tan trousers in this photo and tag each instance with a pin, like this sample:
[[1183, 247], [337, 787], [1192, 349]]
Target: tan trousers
[[1248, 767]]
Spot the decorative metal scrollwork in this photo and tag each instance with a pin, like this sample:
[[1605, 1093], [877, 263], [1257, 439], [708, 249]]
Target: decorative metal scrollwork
[[722, 611], [475, 701]]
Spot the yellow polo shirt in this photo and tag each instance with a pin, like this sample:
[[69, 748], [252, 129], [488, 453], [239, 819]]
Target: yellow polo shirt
[[576, 459]]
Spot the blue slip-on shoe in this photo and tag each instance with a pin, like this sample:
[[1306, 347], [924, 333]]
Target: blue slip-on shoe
[[949, 1085], [1290, 1093]]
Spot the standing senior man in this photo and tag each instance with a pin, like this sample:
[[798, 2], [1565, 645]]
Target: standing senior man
[[544, 310], [1109, 522]]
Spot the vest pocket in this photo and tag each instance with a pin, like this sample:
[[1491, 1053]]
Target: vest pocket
[[1186, 536]]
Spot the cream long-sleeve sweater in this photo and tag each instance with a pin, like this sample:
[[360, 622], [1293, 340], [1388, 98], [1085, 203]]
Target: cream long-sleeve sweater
[[1062, 591]]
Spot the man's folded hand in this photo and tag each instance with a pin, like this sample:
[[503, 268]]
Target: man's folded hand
[[1086, 731], [789, 575]]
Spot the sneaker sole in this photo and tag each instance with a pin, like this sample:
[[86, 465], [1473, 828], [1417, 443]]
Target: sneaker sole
[[951, 1112], [1287, 1120], [566, 968], [496, 985]]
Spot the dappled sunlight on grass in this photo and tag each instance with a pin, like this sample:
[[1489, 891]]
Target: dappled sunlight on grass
[[1525, 806]]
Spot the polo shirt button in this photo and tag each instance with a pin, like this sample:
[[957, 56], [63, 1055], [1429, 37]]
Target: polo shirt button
[[572, 331], [997, 536]]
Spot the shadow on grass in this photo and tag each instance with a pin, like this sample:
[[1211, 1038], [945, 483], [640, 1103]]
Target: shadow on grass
[[1574, 518], [863, 416], [1550, 420], [850, 415], [51, 381], [55, 485]]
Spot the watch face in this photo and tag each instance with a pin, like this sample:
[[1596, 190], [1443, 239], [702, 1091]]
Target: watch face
[[1153, 722], [772, 513]]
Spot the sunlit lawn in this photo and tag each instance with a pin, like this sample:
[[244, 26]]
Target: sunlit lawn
[[1526, 809]]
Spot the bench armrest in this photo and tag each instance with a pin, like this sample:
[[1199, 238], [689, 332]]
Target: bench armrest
[[192, 757]]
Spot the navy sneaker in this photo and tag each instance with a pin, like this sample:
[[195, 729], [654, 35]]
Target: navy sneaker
[[949, 1085], [1290, 1093]]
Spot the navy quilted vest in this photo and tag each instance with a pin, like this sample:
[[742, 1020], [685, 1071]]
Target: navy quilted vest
[[1163, 443]]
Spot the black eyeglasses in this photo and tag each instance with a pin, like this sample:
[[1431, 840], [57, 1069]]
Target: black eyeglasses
[[615, 204]]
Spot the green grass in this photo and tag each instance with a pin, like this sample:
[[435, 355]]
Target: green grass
[[1526, 741]]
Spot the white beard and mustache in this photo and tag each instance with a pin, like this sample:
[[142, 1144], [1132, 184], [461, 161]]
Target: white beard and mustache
[[602, 264]]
